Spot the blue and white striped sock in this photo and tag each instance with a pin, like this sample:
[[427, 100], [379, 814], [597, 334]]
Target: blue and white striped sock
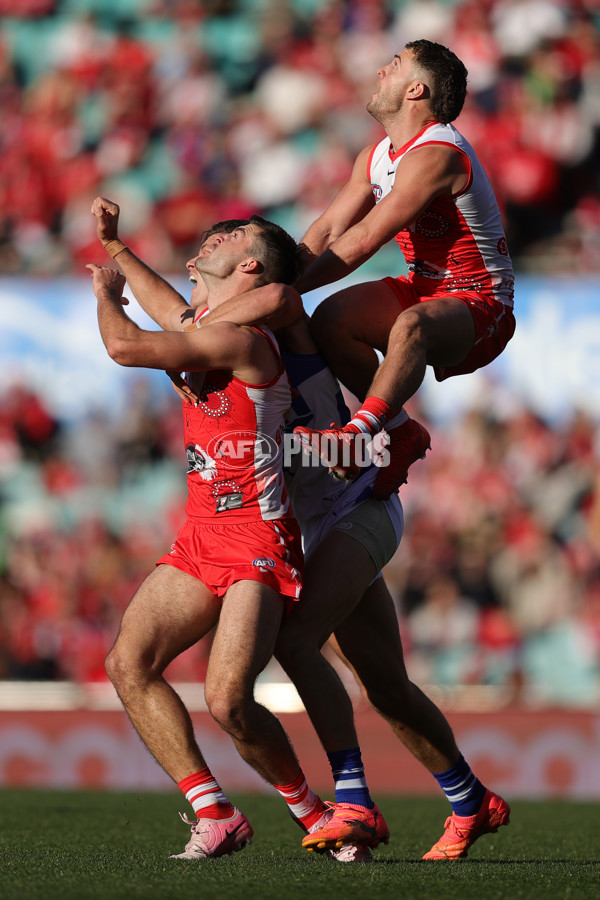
[[349, 777], [464, 791]]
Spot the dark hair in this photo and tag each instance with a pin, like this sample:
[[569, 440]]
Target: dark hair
[[225, 227], [449, 87], [280, 253]]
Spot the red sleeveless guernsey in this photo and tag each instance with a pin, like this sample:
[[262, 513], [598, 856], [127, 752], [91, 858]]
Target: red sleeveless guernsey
[[457, 243], [234, 447]]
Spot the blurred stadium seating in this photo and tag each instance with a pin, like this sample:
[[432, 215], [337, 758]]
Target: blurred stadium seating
[[191, 111]]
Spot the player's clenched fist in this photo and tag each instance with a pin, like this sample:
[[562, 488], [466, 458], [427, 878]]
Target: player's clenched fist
[[109, 281], [107, 214], [107, 223]]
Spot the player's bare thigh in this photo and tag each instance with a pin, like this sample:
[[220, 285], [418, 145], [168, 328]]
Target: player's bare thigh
[[169, 613], [251, 615], [335, 576], [369, 640], [366, 311]]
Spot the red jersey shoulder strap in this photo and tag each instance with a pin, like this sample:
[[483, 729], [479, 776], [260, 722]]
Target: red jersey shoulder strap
[[269, 337]]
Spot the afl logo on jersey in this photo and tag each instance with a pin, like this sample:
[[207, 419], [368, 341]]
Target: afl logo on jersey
[[264, 563], [241, 448], [377, 192], [502, 247]]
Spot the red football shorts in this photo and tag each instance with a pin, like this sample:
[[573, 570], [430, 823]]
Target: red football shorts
[[494, 324], [221, 555]]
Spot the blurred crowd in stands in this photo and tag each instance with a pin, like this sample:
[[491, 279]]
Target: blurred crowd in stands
[[497, 580], [190, 111]]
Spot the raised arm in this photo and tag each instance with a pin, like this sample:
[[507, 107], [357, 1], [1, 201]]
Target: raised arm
[[223, 345], [352, 202], [155, 295], [423, 174]]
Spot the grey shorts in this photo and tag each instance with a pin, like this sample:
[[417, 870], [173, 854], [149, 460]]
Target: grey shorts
[[370, 524]]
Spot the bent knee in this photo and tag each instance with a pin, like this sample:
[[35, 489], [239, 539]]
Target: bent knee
[[297, 647], [124, 666], [119, 667], [288, 657], [394, 699], [410, 325], [228, 711]]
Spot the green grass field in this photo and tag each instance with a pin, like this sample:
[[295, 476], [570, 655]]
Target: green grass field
[[78, 845]]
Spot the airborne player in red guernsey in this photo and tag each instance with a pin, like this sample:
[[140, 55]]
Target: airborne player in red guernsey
[[424, 186]]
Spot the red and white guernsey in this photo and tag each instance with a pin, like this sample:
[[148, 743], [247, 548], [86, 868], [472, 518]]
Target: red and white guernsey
[[234, 447], [457, 243]]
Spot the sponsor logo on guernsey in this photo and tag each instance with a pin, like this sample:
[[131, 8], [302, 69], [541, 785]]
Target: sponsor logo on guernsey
[[264, 563], [228, 501]]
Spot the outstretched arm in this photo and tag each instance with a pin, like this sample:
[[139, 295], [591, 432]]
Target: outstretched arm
[[224, 345], [425, 173], [155, 295], [351, 204], [274, 305]]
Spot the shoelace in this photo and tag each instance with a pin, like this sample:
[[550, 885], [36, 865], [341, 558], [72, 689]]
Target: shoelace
[[338, 811], [195, 838], [184, 818]]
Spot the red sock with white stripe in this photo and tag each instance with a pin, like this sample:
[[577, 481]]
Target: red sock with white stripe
[[207, 799], [304, 806], [371, 417]]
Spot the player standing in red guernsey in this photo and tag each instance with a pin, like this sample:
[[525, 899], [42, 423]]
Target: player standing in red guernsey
[[423, 185], [235, 482], [236, 561]]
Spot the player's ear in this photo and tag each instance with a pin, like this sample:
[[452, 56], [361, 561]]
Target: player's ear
[[418, 91], [251, 266]]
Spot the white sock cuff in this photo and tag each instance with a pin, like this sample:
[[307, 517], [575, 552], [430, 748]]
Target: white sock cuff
[[399, 419]]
